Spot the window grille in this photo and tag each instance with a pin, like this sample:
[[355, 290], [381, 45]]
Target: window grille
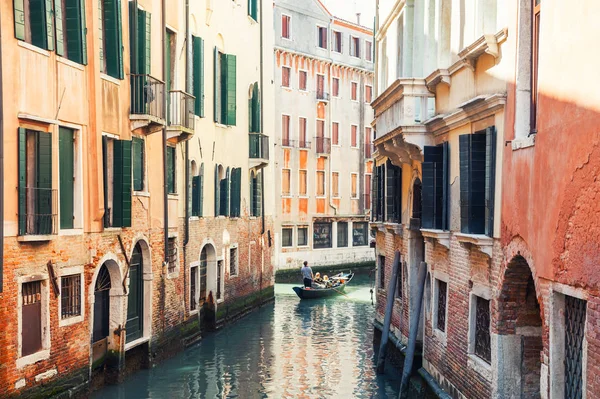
[[575, 312], [172, 255], [482, 329], [233, 261], [441, 305], [32, 317], [70, 296]]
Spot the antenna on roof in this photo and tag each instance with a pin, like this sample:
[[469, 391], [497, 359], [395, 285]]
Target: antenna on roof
[[358, 18]]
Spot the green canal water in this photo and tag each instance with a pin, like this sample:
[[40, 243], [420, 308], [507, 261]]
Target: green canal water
[[287, 349]]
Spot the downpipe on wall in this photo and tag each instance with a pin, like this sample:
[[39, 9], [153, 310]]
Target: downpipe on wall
[[1, 173]]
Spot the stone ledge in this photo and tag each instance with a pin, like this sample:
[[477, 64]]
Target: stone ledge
[[483, 243], [523, 142], [441, 236]]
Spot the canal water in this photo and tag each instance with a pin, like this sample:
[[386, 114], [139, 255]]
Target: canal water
[[318, 348]]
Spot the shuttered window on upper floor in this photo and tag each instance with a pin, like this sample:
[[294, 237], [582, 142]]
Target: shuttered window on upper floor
[[436, 187], [71, 30], [254, 111], [34, 22], [116, 157], [236, 193], [138, 163], [171, 170], [198, 193], [139, 40], [477, 181], [256, 193], [198, 74], [393, 193], [253, 9], [111, 38], [225, 105]]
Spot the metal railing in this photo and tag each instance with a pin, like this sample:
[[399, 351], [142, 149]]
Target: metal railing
[[323, 145], [304, 144], [147, 96], [286, 142], [38, 212], [259, 146], [323, 96], [181, 109]]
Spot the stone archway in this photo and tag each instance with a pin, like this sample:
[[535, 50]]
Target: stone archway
[[208, 272], [519, 326]]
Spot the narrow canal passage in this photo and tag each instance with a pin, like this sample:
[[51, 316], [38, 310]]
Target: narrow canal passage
[[288, 349]]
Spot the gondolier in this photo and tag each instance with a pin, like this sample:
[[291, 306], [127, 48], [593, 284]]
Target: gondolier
[[307, 274]]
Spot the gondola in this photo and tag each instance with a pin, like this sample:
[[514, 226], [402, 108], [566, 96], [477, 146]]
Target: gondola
[[313, 293]]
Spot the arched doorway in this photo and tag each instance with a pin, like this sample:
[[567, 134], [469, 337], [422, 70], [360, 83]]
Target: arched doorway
[[135, 299], [101, 305], [519, 332], [208, 272]]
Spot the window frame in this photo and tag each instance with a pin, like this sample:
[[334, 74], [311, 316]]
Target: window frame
[[289, 69], [144, 189], [354, 135], [474, 361], [335, 143], [346, 240], [289, 193], [305, 72], [305, 194], [352, 84], [371, 87], [319, 27], [318, 223], [317, 195], [307, 243], [291, 241], [534, 64], [355, 46], [333, 193], [355, 195], [173, 149], [44, 352], [194, 265], [335, 94], [300, 142], [70, 272], [381, 262], [236, 261], [289, 20], [289, 130], [437, 279], [365, 225], [368, 54], [334, 34]]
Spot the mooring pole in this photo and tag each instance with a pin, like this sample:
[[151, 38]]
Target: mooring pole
[[415, 316], [391, 293]]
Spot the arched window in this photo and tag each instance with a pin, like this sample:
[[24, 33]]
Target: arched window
[[254, 109]]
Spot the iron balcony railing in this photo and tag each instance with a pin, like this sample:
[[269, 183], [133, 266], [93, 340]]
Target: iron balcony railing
[[181, 109], [259, 146], [147, 96], [323, 96], [304, 144], [38, 211], [285, 142], [323, 145]]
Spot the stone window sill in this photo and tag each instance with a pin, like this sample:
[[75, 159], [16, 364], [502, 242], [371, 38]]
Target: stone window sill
[[33, 358], [440, 335], [137, 342], [396, 228], [480, 366], [441, 236], [482, 242], [523, 142], [36, 238]]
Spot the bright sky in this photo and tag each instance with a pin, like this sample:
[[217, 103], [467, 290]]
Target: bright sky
[[347, 9]]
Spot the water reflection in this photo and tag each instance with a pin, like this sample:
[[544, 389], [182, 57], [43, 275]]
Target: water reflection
[[289, 349]]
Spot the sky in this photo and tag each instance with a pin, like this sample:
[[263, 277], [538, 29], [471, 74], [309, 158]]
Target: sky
[[347, 9]]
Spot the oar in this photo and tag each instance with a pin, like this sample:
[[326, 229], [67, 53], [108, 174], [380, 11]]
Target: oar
[[340, 292]]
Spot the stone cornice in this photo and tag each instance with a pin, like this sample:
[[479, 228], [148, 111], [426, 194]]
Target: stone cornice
[[394, 93], [328, 61]]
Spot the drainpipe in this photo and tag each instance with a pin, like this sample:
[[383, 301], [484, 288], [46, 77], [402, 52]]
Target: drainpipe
[[262, 118], [188, 89], [1, 173], [164, 135], [376, 47], [329, 31]]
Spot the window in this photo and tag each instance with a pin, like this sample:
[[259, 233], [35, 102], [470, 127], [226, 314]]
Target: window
[[203, 270], [225, 88], [302, 184], [482, 329], [286, 236], [321, 235], [254, 112], [342, 234], [137, 148], [222, 186], [353, 136], [321, 87], [360, 234], [355, 46], [256, 194], [335, 87], [302, 236], [335, 133], [198, 75], [436, 189], [171, 44], [302, 133], [285, 182], [285, 130], [477, 177], [440, 298], [335, 187], [194, 288], [235, 193], [34, 23], [378, 194], [322, 37], [141, 41], [302, 80], [320, 183], [31, 331], [253, 9], [393, 197], [286, 31], [233, 261], [367, 203], [368, 94], [219, 280], [117, 170], [535, 56], [111, 39], [368, 142], [399, 281], [368, 51], [354, 93], [354, 185], [66, 168], [37, 199], [171, 170], [172, 255], [285, 76], [70, 296], [198, 193], [381, 265], [337, 41]]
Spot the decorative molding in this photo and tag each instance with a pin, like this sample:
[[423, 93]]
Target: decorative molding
[[437, 77], [483, 243], [441, 236]]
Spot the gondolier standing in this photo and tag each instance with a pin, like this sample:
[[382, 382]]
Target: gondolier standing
[[307, 274]]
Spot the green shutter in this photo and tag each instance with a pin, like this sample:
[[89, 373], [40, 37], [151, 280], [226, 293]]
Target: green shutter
[[142, 64], [105, 179], [83, 34], [147, 26], [102, 16], [217, 191], [122, 184], [257, 110], [75, 31], [196, 196], [49, 23], [118, 45], [60, 35], [231, 90], [171, 170], [258, 201], [126, 185], [37, 23], [19, 13], [490, 179], [138, 163], [44, 215], [22, 168], [168, 71], [227, 192], [198, 77], [66, 168], [253, 9], [133, 39], [217, 86], [201, 202]]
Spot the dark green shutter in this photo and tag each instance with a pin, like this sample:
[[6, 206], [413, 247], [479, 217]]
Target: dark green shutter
[[198, 75], [113, 38], [390, 191], [258, 201], [252, 9], [141, 61], [233, 183], [472, 182], [217, 191], [49, 25], [169, 55], [445, 186], [74, 15], [22, 179], [66, 167], [146, 26], [236, 188], [44, 217], [133, 39], [60, 34], [428, 190], [464, 142], [432, 196], [196, 196], [19, 13], [231, 90], [171, 170], [37, 23], [138, 163], [105, 179], [490, 179], [223, 88], [122, 184], [227, 191], [373, 204], [201, 201], [255, 109], [216, 85]]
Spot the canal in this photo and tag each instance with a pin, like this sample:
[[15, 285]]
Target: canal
[[287, 349]]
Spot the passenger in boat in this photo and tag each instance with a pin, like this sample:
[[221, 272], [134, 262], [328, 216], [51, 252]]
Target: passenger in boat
[[307, 274]]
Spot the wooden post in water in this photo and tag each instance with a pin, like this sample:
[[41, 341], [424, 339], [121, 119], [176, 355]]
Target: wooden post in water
[[415, 316], [391, 293]]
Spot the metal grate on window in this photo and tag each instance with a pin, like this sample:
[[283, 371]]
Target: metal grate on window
[[482, 329], [575, 312], [193, 288], [172, 255], [441, 305], [32, 293], [70, 296], [233, 262]]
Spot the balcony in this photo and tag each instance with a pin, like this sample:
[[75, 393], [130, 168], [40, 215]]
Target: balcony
[[323, 146], [147, 103], [322, 96], [38, 214], [286, 142], [258, 150], [304, 145], [181, 118]]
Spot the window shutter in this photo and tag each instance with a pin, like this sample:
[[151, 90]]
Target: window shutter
[[217, 86], [138, 163], [478, 186], [105, 179], [22, 179], [428, 192], [374, 192], [19, 13], [58, 20], [37, 23], [196, 196], [44, 184], [171, 170], [233, 203], [464, 142], [398, 194], [113, 39], [75, 30], [446, 186], [49, 23], [231, 90], [227, 192], [143, 40], [119, 40], [66, 168], [490, 179], [198, 78], [133, 39], [147, 27], [201, 201], [217, 190], [122, 184], [390, 190]]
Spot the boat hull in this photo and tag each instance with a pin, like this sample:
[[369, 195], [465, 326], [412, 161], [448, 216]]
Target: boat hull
[[313, 293]]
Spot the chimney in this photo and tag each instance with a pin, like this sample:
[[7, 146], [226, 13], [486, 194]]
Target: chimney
[[358, 18]]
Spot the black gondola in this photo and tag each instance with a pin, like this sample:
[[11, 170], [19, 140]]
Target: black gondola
[[313, 293]]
